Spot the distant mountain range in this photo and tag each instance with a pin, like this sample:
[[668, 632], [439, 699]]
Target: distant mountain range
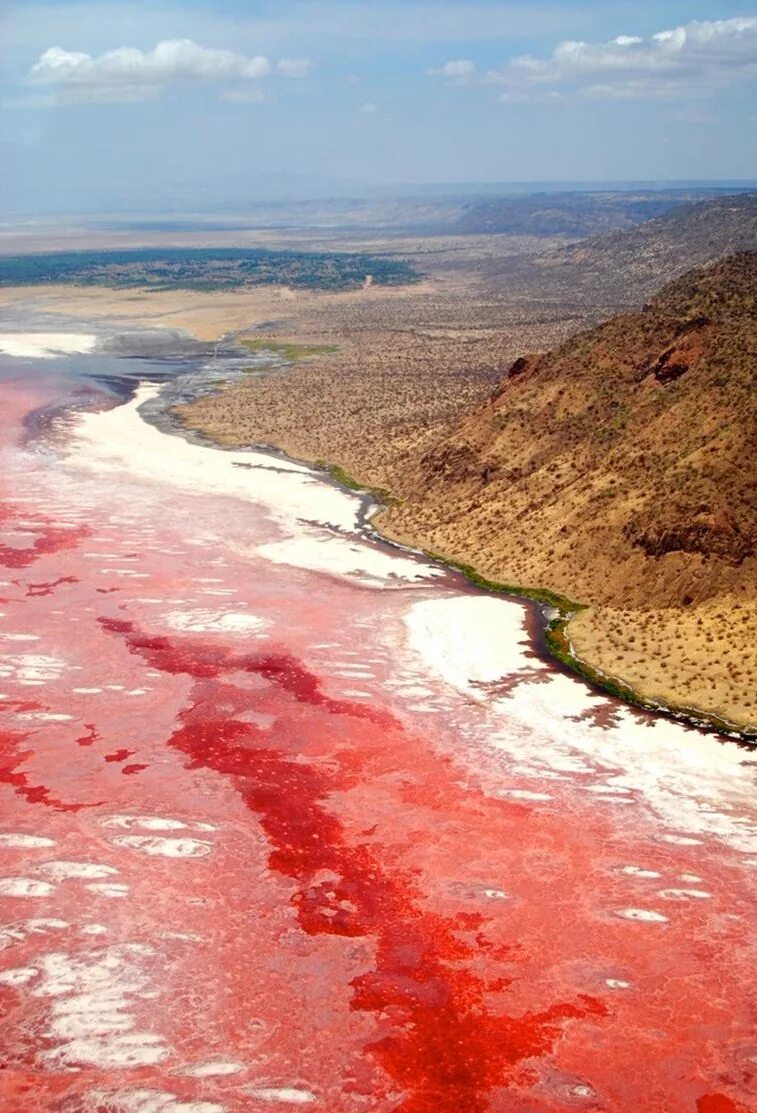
[[574, 214], [622, 269]]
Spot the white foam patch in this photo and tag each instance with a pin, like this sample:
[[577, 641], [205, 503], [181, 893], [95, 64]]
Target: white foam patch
[[617, 983], [90, 1017], [44, 924], [318, 551], [45, 345], [220, 622], [119, 441], [696, 784], [151, 1101], [213, 1068], [20, 976], [31, 668], [643, 915], [46, 716], [684, 894], [89, 871], [108, 889], [639, 871], [317, 517], [165, 848], [155, 823], [24, 842], [523, 794], [25, 887]]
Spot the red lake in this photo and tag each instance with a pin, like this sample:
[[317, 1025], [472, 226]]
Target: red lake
[[292, 818]]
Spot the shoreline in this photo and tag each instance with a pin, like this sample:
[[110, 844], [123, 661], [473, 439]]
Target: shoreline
[[557, 647], [555, 636], [554, 640], [551, 634]]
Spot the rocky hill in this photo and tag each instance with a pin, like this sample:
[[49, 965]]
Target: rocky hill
[[567, 213], [619, 470], [622, 269]]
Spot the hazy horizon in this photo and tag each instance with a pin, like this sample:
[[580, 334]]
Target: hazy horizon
[[135, 106]]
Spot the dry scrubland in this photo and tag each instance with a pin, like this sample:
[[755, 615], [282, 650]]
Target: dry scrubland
[[619, 470], [405, 367], [615, 470], [600, 471]]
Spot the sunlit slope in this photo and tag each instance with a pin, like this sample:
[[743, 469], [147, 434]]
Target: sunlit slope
[[619, 470], [621, 269]]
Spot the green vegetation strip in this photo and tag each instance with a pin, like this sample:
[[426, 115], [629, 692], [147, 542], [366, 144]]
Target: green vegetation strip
[[559, 646], [380, 494], [206, 269], [556, 638]]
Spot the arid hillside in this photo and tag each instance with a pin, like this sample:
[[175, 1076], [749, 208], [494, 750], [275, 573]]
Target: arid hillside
[[622, 269], [619, 470], [569, 213]]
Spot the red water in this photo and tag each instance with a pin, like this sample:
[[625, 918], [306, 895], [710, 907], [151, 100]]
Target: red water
[[272, 876]]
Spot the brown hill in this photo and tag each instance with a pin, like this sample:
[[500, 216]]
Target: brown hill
[[619, 470], [622, 269], [569, 213]]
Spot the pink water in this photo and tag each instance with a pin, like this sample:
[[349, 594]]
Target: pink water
[[257, 852]]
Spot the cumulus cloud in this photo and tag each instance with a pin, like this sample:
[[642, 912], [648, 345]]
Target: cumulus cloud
[[458, 70], [129, 74], [694, 57], [294, 67]]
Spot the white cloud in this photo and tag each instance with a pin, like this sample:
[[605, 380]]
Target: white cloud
[[688, 59], [242, 96], [458, 70], [128, 74], [294, 67], [369, 106]]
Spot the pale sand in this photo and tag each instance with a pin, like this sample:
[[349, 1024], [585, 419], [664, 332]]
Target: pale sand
[[45, 345], [207, 315]]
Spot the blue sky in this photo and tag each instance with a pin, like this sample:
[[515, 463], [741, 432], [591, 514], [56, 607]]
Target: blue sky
[[163, 103]]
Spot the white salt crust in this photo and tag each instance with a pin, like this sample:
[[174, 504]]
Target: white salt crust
[[17, 840], [45, 345], [164, 848], [547, 724], [696, 785], [317, 518], [89, 1020], [25, 887]]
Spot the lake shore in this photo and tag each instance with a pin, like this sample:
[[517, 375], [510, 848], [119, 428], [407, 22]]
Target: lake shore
[[407, 363]]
